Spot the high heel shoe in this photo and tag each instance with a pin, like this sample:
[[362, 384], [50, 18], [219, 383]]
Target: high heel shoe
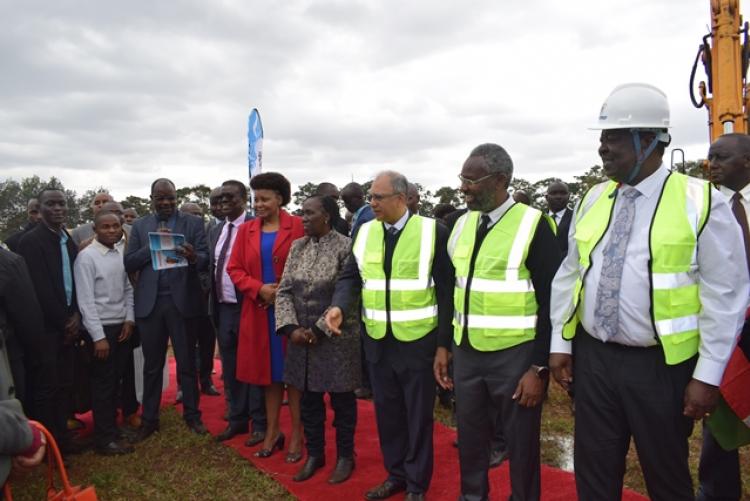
[[293, 457], [277, 444]]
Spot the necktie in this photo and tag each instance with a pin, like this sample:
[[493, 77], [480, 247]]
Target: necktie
[[482, 229], [67, 275], [393, 231], [739, 213], [606, 312], [220, 263]]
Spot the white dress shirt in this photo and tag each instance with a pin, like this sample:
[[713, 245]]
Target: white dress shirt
[[399, 225], [228, 294], [557, 216], [745, 200], [724, 298], [104, 293]]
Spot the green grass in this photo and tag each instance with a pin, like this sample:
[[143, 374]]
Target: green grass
[[174, 464], [178, 465]]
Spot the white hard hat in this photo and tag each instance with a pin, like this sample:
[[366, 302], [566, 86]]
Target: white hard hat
[[635, 106]]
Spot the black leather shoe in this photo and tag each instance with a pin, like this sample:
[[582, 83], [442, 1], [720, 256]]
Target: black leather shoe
[[384, 490], [210, 390], [308, 469], [114, 449], [256, 437], [197, 427], [230, 432], [342, 471], [497, 457], [414, 496], [145, 431]]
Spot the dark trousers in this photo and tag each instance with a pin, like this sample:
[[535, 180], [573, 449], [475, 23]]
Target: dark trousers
[[404, 400], [166, 323], [314, 420], [202, 330], [51, 384], [246, 401], [104, 377], [486, 381], [126, 380], [623, 392], [718, 471]]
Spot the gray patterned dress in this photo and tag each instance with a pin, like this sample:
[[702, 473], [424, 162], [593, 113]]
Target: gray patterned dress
[[333, 364]]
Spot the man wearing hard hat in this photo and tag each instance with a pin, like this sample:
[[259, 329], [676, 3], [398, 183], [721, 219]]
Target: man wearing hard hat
[[649, 300]]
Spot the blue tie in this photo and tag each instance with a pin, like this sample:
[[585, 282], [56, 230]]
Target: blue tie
[[67, 275], [607, 310]]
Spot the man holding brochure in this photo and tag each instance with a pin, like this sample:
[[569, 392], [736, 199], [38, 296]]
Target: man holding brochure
[[167, 294]]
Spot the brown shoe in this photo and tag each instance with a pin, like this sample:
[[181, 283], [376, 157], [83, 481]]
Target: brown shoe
[[134, 420]]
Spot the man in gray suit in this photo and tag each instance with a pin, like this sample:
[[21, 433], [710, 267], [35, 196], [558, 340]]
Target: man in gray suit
[[164, 301], [245, 401]]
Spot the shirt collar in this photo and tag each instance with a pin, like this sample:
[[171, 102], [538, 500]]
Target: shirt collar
[[653, 183], [744, 192], [496, 213], [559, 213], [103, 249], [399, 225], [238, 220]]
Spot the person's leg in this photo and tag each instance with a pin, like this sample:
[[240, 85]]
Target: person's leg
[[126, 378], [418, 387], [64, 391], [295, 439], [183, 345], [206, 337], [345, 422], [475, 429], [154, 337], [391, 417], [313, 418], [602, 432], [273, 393], [256, 404], [103, 385], [653, 397], [718, 471], [228, 331]]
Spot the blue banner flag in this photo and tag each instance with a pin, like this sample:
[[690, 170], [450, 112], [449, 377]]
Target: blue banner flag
[[254, 143]]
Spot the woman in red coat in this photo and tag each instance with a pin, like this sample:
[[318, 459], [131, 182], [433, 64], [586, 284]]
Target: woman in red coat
[[257, 261]]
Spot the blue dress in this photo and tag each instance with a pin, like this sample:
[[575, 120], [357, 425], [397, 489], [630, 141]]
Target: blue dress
[[267, 240]]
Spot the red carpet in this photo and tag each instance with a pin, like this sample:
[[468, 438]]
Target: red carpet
[[556, 484]]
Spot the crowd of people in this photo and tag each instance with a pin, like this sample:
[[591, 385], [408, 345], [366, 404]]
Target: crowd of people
[[633, 302]]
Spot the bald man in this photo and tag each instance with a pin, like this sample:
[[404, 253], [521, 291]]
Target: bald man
[[32, 211], [86, 230]]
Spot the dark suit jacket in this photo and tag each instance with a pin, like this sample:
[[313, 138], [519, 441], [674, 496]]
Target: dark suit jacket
[[562, 231], [40, 248], [416, 354], [184, 282], [213, 237], [15, 239]]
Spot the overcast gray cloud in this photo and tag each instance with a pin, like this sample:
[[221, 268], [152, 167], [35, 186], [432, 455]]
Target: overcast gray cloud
[[116, 94]]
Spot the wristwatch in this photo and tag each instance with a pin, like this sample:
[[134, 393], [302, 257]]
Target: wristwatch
[[541, 371]]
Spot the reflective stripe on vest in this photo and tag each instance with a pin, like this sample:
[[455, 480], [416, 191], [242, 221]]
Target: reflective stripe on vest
[[413, 305], [682, 211], [502, 302]]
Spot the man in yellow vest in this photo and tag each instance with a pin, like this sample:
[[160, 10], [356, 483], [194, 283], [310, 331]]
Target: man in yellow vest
[[650, 301], [402, 273], [505, 257]]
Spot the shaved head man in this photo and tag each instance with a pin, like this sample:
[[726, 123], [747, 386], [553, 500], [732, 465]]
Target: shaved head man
[[34, 216], [86, 230]]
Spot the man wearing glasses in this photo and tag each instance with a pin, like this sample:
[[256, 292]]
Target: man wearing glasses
[[402, 273], [505, 257]]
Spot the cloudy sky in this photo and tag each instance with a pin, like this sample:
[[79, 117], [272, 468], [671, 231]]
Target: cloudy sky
[[118, 93]]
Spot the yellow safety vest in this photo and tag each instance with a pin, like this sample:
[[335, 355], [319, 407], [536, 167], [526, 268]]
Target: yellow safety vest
[[413, 305], [681, 213], [502, 303]]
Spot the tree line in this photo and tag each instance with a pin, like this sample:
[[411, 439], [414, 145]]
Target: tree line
[[14, 195]]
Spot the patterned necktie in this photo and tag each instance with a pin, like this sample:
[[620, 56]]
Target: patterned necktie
[[67, 275], [606, 312], [739, 214], [219, 278]]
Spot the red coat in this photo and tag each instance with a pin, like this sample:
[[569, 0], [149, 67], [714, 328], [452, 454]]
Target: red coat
[[246, 271]]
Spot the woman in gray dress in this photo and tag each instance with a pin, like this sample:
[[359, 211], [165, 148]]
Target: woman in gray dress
[[317, 361]]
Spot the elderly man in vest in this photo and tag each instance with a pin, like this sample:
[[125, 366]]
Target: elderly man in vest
[[650, 298], [505, 257], [402, 272]]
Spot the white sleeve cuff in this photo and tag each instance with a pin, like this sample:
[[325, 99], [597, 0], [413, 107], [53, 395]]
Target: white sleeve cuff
[[709, 371], [558, 344]]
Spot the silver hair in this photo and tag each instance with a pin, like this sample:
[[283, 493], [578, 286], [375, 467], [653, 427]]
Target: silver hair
[[398, 181], [497, 159]]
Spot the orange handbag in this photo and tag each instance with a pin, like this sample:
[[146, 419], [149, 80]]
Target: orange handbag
[[54, 459]]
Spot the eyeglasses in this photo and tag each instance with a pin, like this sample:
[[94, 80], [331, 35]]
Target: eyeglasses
[[380, 197], [473, 182]]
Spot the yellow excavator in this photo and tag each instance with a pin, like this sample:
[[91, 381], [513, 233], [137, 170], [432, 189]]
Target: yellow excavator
[[724, 53]]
